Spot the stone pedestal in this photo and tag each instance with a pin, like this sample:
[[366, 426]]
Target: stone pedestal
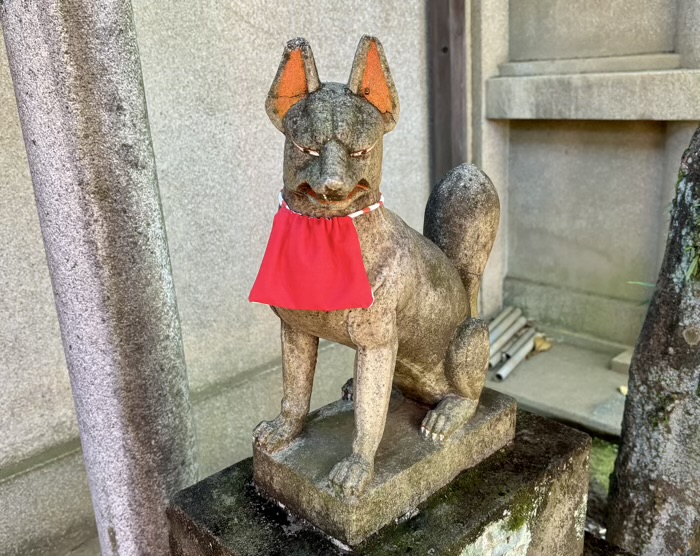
[[408, 468], [529, 498]]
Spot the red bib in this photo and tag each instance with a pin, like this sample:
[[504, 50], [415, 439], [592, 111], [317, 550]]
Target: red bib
[[313, 264]]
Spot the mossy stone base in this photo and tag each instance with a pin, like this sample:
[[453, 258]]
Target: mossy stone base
[[408, 468], [527, 499]]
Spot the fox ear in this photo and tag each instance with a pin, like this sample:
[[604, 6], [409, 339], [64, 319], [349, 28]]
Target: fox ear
[[296, 79], [370, 78]]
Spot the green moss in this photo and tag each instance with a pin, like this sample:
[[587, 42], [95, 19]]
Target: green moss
[[603, 456], [524, 506], [662, 413]]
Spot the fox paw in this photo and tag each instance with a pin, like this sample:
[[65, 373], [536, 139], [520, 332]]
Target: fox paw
[[277, 434], [350, 476], [451, 413]]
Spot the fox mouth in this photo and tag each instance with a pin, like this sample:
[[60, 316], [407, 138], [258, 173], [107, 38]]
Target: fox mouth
[[333, 200]]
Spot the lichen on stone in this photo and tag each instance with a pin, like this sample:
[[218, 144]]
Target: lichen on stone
[[500, 539]]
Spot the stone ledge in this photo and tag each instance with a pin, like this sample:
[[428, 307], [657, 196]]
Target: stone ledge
[[616, 320], [600, 64], [646, 95], [530, 496], [408, 469]]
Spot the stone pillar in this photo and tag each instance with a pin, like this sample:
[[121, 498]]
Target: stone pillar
[[490, 138], [77, 79]]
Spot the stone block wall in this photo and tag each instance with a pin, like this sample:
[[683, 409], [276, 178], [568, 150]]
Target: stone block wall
[[600, 99]]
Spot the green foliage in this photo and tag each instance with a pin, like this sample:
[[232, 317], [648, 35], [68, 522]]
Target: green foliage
[[643, 284], [692, 270], [603, 456]]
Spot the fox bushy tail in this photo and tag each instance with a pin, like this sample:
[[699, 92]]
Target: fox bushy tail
[[461, 218]]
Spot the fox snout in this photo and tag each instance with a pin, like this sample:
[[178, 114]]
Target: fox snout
[[333, 182]]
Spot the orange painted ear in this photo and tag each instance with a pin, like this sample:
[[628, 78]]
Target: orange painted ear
[[371, 79], [296, 78]]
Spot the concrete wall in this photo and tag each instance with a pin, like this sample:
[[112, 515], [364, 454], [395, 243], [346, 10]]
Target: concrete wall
[[207, 68], [585, 204], [549, 29], [585, 216], [588, 193]]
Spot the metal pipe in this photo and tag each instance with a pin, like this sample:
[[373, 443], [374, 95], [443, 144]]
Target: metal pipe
[[512, 350], [508, 333], [514, 339], [498, 319], [79, 89], [500, 355], [495, 332], [526, 345]]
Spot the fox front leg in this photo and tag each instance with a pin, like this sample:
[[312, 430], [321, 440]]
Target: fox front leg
[[299, 353], [374, 373]]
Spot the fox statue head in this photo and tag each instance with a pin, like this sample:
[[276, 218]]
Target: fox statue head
[[334, 132]]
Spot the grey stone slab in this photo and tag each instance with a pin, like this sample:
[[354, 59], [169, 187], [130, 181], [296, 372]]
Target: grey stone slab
[[599, 316], [593, 546], [527, 499], [688, 33], [489, 143], [571, 384], [407, 468], [46, 510], [586, 217], [37, 407], [600, 64], [596, 96], [564, 29], [622, 361]]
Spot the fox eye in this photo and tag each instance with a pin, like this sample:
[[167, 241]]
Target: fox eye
[[306, 150], [362, 152]]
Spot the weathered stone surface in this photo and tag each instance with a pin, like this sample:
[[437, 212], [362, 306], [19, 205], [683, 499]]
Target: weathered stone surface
[[571, 384], [529, 497], [598, 64], [408, 468], [435, 351], [562, 204], [654, 503], [609, 96], [93, 169], [559, 29], [621, 362]]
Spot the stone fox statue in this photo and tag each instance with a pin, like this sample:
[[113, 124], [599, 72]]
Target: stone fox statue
[[421, 335]]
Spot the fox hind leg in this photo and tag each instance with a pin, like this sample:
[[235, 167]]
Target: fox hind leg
[[466, 366]]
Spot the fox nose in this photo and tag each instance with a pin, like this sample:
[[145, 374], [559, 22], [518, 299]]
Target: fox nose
[[332, 182], [333, 187]]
